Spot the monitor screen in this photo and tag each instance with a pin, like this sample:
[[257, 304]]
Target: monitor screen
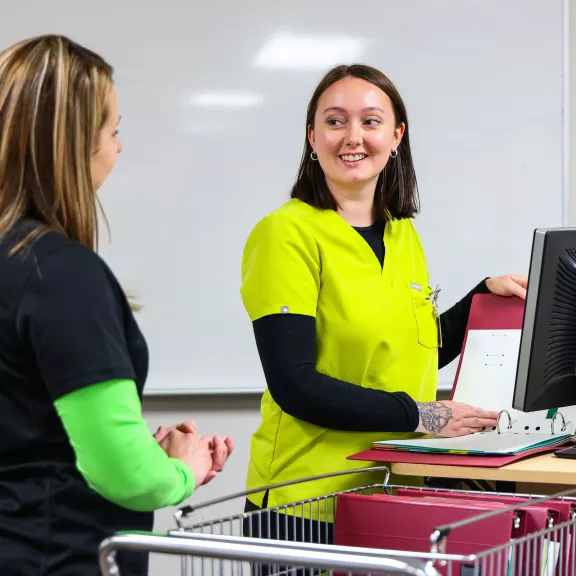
[[546, 372]]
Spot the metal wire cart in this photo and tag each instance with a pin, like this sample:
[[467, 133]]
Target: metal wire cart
[[375, 531]]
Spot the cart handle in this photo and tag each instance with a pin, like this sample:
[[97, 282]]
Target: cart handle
[[188, 509], [256, 552]]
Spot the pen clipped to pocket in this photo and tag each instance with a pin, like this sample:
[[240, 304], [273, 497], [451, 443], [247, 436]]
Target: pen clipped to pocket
[[434, 298]]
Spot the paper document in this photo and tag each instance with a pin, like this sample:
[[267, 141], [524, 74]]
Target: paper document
[[488, 375], [480, 443]]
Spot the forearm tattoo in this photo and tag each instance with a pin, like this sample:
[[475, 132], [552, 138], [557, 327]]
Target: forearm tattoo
[[434, 415]]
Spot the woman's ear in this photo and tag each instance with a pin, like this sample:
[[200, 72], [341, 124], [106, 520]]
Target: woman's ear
[[311, 138], [398, 134]]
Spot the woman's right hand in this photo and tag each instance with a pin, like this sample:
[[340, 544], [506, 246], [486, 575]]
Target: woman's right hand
[[205, 455], [449, 419]]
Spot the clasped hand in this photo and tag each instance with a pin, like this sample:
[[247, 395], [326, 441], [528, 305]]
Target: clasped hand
[[206, 455]]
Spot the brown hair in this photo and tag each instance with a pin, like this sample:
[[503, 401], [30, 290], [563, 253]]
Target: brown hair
[[396, 190], [52, 107]]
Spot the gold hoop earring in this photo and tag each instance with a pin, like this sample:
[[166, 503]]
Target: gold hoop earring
[[312, 154]]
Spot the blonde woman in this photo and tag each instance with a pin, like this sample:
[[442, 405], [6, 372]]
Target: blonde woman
[[77, 461]]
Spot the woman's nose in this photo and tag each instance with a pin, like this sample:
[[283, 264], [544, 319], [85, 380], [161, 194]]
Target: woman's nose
[[354, 135]]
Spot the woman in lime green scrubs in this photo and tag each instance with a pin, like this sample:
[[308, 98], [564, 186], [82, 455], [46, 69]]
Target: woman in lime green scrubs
[[336, 284]]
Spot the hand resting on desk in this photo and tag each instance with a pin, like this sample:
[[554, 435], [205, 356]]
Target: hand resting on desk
[[449, 419]]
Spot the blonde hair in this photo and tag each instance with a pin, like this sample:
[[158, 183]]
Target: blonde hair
[[52, 107]]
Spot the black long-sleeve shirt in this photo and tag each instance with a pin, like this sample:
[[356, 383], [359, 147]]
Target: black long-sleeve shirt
[[287, 348]]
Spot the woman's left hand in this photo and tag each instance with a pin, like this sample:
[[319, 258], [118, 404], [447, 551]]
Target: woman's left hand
[[508, 285], [189, 427]]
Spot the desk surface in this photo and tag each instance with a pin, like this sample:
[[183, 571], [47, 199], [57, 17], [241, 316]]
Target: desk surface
[[544, 469]]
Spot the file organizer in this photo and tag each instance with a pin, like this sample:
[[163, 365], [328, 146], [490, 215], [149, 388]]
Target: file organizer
[[486, 373], [405, 523], [539, 516], [391, 456]]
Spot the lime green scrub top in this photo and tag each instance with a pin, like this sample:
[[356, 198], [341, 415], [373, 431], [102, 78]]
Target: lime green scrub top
[[375, 327]]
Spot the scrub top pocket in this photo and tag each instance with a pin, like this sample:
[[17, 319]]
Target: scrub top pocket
[[426, 318]]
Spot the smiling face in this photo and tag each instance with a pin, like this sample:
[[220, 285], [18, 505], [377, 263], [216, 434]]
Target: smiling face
[[354, 133]]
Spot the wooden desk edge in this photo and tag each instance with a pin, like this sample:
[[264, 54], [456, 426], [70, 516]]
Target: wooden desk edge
[[543, 469]]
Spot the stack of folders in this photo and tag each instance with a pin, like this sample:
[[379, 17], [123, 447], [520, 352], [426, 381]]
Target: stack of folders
[[488, 449], [492, 443], [406, 520]]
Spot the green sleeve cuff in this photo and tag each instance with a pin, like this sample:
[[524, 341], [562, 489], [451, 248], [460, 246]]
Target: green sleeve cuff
[[187, 476], [115, 451]]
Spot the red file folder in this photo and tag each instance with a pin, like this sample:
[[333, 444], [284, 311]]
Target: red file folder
[[392, 456], [540, 516], [491, 312], [406, 523]]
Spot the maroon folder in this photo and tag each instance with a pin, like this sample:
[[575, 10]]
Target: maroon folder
[[538, 516], [393, 456], [491, 312], [406, 523]]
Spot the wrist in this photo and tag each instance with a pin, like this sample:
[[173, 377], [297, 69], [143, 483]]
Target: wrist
[[190, 477], [420, 427]]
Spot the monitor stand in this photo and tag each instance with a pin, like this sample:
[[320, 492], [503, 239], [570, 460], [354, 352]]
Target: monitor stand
[[566, 453]]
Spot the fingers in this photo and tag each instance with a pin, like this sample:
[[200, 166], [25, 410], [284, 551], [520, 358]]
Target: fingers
[[229, 444], [219, 454], [208, 440], [520, 279], [190, 427], [478, 423], [161, 433], [467, 411], [486, 414], [516, 288], [508, 285], [210, 476]]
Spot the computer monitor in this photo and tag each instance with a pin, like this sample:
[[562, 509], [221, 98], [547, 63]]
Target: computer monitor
[[546, 371]]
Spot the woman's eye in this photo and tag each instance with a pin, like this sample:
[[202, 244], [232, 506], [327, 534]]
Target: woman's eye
[[373, 122], [334, 122]]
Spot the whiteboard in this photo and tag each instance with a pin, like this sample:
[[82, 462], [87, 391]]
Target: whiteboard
[[213, 98]]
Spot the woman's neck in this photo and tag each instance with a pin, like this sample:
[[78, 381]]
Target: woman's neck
[[355, 203]]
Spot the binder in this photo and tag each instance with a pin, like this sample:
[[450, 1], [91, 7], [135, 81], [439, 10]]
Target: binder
[[406, 523], [435, 459], [486, 373], [558, 510], [494, 443], [491, 312], [486, 378], [533, 518]]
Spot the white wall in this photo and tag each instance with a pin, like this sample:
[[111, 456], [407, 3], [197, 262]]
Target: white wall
[[238, 416], [571, 111]]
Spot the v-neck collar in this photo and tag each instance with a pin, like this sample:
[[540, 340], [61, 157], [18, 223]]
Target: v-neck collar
[[357, 239]]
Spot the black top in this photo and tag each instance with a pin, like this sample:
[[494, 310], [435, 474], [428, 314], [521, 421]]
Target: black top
[[374, 235], [65, 323], [287, 348]]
